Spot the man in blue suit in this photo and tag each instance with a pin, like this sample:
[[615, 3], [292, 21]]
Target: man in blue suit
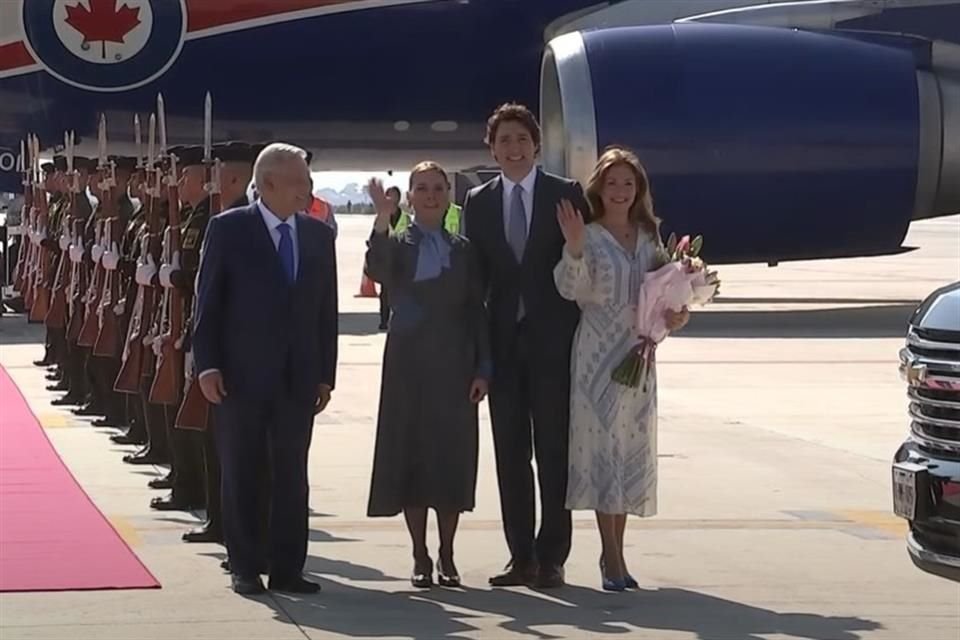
[[265, 344]]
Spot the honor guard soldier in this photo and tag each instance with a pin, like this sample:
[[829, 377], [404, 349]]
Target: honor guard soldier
[[129, 253], [104, 363], [81, 211], [58, 209], [50, 188], [157, 449], [236, 170], [186, 462]]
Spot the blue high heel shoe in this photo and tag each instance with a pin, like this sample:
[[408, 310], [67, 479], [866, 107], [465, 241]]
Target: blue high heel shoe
[[611, 584]]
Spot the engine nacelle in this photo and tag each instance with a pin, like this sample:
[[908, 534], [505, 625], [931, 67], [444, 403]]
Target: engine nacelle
[[775, 144]]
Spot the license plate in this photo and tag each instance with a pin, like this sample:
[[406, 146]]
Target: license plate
[[905, 489]]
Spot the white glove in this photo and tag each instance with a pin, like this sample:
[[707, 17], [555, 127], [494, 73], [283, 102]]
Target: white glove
[[76, 253], [118, 309], [157, 346], [146, 272], [97, 253], [167, 269], [111, 258], [64, 242]]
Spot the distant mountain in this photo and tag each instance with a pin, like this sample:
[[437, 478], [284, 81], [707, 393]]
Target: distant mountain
[[352, 192]]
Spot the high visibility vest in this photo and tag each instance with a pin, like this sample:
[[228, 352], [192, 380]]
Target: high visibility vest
[[451, 220]]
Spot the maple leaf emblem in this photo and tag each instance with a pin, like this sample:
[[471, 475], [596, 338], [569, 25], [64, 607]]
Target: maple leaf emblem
[[103, 22]]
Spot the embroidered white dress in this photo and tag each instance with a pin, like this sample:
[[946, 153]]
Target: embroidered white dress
[[613, 428]]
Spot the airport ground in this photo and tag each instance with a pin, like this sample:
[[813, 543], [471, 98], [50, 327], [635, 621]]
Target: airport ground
[[780, 409]]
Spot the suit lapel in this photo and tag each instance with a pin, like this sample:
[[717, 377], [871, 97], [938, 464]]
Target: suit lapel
[[540, 214], [303, 255]]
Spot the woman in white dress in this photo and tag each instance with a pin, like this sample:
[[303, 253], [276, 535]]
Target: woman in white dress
[[613, 428]]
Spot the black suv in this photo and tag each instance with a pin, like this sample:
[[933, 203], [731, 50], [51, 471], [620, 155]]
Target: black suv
[[926, 468]]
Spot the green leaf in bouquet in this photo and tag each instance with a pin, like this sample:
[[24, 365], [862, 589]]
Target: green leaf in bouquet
[[696, 245], [672, 245]]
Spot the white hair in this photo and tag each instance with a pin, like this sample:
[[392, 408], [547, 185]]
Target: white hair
[[272, 158]]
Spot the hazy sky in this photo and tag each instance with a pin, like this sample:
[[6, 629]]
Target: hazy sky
[[339, 179]]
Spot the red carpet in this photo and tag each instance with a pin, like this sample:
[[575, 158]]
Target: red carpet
[[52, 536]]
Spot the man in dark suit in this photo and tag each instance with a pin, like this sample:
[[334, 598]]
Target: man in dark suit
[[265, 344], [512, 221]]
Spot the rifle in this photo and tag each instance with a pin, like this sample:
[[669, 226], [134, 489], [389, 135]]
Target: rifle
[[78, 275], [40, 302], [195, 410], [168, 380], [134, 352], [91, 322], [57, 316], [23, 247]]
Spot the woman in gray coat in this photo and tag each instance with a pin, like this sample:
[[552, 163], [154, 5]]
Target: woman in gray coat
[[436, 366]]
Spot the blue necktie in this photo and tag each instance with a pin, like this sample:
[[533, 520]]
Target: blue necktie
[[286, 250]]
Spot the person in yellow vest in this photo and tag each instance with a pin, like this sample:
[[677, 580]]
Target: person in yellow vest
[[451, 219]]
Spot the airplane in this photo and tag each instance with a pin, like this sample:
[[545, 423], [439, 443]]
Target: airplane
[[777, 130]]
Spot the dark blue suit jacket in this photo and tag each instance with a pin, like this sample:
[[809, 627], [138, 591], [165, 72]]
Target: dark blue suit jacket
[[265, 335]]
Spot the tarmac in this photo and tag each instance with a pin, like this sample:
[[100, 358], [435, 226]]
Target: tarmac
[[780, 410]]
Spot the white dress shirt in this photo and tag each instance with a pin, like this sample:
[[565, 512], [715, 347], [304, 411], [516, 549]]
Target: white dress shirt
[[272, 221], [528, 184]]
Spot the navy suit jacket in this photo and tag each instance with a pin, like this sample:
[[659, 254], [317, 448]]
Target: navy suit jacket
[[267, 336]]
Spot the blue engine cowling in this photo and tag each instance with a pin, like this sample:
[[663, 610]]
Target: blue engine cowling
[[775, 144]]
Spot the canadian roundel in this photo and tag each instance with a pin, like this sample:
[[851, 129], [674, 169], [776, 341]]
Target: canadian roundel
[[105, 45]]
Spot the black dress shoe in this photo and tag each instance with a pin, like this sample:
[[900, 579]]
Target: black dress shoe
[[203, 534], [105, 422], [67, 400], [515, 576], [60, 386], [147, 457], [246, 586], [169, 503], [126, 438], [166, 482], [88, 410], [293, 585], [550, 577], [225, 565]]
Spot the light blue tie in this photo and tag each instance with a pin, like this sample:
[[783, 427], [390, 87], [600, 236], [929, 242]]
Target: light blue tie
[[517, 232], [286, 251]]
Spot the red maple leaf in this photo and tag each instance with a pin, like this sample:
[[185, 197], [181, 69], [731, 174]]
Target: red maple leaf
[[103, 22]]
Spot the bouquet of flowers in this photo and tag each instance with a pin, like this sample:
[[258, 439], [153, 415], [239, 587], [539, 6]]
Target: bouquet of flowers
[[678, 279]]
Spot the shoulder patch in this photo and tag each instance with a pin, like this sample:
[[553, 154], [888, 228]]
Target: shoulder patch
[[190, 238]]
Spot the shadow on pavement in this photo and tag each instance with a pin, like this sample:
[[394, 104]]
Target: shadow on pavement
[[352, 610]]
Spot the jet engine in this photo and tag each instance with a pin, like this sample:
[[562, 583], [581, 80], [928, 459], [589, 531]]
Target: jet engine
[[805, 144]]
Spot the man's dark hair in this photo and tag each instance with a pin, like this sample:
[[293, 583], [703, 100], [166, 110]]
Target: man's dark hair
[[513, 112]]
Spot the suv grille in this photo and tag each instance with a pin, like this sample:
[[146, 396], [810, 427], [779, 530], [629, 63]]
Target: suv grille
[[931, 366]]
